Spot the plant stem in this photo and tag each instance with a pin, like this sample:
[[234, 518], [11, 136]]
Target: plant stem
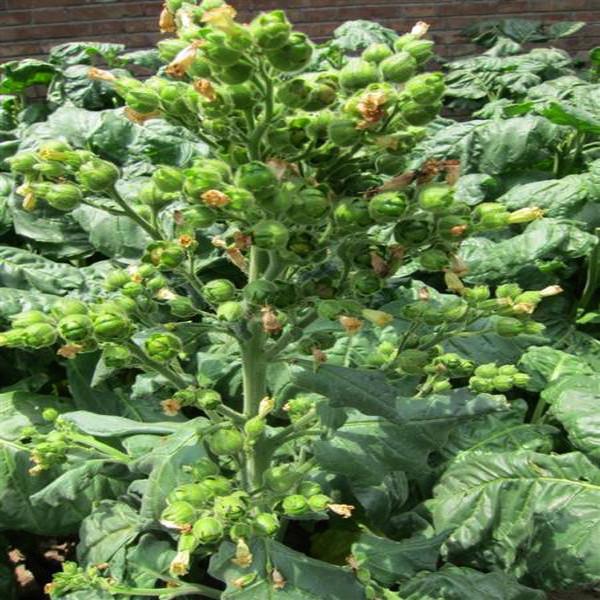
[[593, 275], [153, 365], [257, 134], [538, 412], [191, 589], [147, 227], [91, 442]]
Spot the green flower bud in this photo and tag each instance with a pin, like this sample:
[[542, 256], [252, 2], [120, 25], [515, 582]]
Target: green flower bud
[[196, 494], [111, 327], [375, 53], [75, 328], [208, 530], [293, 55], [398, 68], [266, 523], [231, 507], [419, 114], [413, 362], [50, 414], [521, 379], [178, 514], [23, 163], [479, 293], [142, 100], [294, 93], [260, 292], [199, 69], [98, 175], [419, 49], [330, 309], [350, 213], [320, 97], [221, 486], [503, 383], [163, 346], [255, 428], [170, 48], [235, 74], [39, 335], [226, 442], [199, 181], [270, 235], [412, 233], [358, 74], [208, 399], [257, 178], [310, 205], [51, 169], [319, 502], [433, 260], [116, 357], [217, 50], [436, 197], [344, 132], [533, 328], [244, 95], [133, 289], [281, 478], [487, 371], [219, 290], [116, 279], [240, 531], [309, 488], [199, 217], [204, 468], [295, 505], [508, 290], [158, 282], [168, 179], [13, 338], [64, 196], [388, 206], [164, 255], [481, 385], [271, 30], [427, 88], [230, 311], [29, 317], [365, 282], [509, 327]]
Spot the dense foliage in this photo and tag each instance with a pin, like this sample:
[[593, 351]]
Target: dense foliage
[[273, 327]]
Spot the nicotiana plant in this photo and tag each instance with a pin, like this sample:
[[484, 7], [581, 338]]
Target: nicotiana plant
[[332, 426]]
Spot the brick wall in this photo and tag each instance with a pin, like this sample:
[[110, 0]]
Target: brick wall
[[31, 27]]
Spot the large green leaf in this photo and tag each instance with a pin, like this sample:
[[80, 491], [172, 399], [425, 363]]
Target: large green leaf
[[149, 560], [83, 53], [462, 583], [17, 76], [541, 516], [490, 261], [358, 35], [573, 116], [575, 403], [166, 464], [392, 561], [105, 534], [14, 301], [305, 578]]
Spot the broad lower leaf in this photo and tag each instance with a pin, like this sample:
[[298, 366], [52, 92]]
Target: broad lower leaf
[[303, 578], [112, 426], [391, 561], [536, 506], [462, 583], [149, 560]]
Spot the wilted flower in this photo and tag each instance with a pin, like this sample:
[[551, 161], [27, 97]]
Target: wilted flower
[[420, 29], [215, 199], [344, 510], [377, 317], [206, 89], [277, 579], [180, 64], [171, 407], [526, 215], [243, 556], [222, 18], [166, 21], [180, 565], [352, 325]]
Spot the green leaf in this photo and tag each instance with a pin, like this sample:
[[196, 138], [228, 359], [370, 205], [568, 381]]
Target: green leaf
[[305, 578], [20, 409], [110, 426], [559, 198], [165, 465], [546, 365], [537, 505], [149, 560], [105, 534], [490, 261], [25, 270], [461, 583], [83, 53], [14, 301], [576, 408], [17, 76], [578, 118], [358, 35], [391, 561]]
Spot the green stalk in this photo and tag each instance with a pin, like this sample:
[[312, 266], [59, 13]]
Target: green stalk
[[153, 365], [105, 449], [147, 227], [257, 134], [183, 590]]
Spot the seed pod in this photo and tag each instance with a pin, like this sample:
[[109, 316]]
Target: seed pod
[[266, 523], [398, 68], [375, 53], [280, 478], [64, 196], [178, 514], [319, 502], [208, 530], [295, 505], [230, 311], [204, 468], [260, 292], [218, 291], [271, 30], [358, 74], [388, 206], [208, 399], [433, 260], [226, 442], [75, 328], [255, 428], [293, 55], [163, 346], [39, 335], [110, 327], [196, 494], [97, 175], [257, 178], [270, 235], [509, 327]]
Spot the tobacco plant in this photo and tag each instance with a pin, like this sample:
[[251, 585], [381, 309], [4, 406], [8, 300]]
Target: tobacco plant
[[314, 384]]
